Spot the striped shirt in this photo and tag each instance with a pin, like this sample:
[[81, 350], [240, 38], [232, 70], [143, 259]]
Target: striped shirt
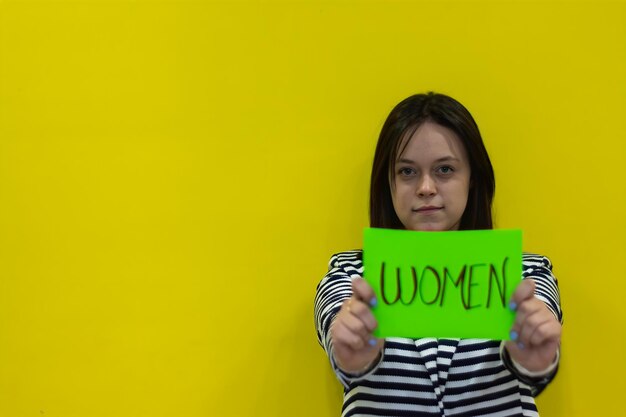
[[434, 377]]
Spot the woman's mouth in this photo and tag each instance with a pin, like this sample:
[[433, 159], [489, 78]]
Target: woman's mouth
[[427, 209]]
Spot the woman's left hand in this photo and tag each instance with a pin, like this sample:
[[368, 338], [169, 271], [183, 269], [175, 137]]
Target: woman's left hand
[[536, 333]]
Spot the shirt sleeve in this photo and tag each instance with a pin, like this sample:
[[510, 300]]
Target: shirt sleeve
[[539, 269], [332, 291]]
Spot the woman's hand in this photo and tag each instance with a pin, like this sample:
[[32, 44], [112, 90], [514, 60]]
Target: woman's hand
[[355, 349], [536, 333]]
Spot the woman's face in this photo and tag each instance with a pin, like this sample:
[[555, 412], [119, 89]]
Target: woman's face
[[431, 181]]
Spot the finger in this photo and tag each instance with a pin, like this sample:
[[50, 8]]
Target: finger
[[348, 359], [527, 308], [548, 331], [356, 326], [524, 291], [346, 314], [362, 311], [364, 291], [342, 335], [347, 305], [529, 327], [342, 353]]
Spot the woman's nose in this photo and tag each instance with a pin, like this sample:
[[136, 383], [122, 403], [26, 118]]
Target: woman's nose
[[426, 187]]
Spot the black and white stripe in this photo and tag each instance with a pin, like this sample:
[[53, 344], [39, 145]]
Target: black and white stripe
[[428, 376]]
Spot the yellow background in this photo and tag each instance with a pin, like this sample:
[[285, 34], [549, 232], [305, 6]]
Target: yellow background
[[174, 177]]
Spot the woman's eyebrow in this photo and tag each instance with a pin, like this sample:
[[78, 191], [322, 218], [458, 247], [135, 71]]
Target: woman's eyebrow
[[442, 159], [447, 158]]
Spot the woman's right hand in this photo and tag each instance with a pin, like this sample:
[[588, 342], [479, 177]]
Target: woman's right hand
[[355, 349]]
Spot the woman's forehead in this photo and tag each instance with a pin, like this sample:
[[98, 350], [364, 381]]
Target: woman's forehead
[[430, 140]]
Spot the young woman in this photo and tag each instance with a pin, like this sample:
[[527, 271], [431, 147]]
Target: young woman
[[431, 171]]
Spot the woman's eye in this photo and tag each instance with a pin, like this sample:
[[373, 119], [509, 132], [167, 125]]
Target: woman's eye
[[406, 171], [446, 169]]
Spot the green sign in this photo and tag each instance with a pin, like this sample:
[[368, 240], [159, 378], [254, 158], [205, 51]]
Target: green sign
[[443, 284]]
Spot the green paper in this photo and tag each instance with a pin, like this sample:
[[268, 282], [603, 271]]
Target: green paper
[[452, 284]]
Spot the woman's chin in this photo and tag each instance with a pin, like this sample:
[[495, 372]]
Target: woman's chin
[[428, 228]]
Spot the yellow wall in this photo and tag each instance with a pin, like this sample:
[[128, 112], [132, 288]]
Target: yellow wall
[[175, 175]]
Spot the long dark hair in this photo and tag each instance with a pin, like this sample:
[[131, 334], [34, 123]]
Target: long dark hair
[[402, 122]]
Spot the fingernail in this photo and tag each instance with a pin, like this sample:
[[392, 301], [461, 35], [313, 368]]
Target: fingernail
[[513, 335], [373, 302], [520, 345], [513, 305], [372, 342]]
